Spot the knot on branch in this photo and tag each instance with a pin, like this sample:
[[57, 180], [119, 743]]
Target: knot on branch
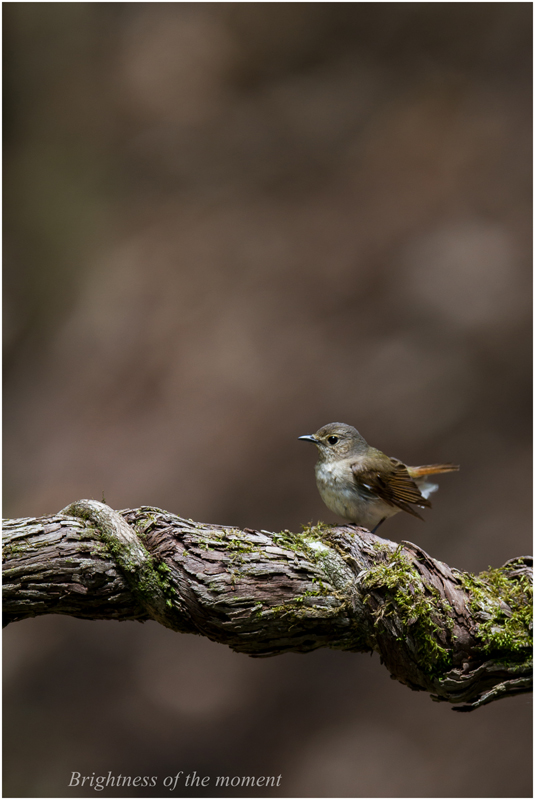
[[146, 579]]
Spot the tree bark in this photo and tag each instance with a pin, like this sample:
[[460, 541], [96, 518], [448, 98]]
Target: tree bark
[[466, 639]]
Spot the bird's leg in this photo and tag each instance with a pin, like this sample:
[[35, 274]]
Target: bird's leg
[[379, 523]]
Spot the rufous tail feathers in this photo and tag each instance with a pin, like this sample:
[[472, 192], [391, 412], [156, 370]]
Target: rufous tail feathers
[[431, 469]]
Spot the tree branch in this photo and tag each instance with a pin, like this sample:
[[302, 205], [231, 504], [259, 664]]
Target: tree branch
[[464, 638]]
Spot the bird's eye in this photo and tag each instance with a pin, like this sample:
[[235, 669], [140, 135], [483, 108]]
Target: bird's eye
[[332, 439]]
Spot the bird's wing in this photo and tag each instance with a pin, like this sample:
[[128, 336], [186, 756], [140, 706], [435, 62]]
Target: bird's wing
[[392, 483]]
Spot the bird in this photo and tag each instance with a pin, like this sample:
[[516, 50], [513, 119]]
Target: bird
[[362, 484]]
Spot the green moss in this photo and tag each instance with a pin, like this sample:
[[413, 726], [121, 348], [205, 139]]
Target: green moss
[[234, 544], [420, 610], [306, 543], [287, 540], [505, 607], [233, 541], [323, 590], [97, 549], [164, 581], [313, 544], [294, 608], [88, 532], [14, 549], [317, 531], [147, 580], [238, 545], [206, 544]]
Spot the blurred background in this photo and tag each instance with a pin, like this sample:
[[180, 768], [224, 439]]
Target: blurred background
[[226, 225]]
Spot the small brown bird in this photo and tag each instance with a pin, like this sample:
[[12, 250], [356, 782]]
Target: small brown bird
[[364, 485]]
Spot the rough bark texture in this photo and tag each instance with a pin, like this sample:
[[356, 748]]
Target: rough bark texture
[[464, 638]]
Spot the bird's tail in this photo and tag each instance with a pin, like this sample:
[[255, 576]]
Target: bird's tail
[[431, 469]]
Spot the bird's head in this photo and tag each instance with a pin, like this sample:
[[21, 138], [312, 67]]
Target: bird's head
[[337, 440]]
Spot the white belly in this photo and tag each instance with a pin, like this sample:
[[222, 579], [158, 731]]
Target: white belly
[[342, 495]]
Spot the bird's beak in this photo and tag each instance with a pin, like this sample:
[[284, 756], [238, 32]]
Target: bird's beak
[[309, 438]]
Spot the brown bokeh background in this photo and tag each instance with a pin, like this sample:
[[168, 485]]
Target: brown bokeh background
[[226, 225]]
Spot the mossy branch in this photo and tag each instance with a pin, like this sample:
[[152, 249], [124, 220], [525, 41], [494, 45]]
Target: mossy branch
[[466, 639]]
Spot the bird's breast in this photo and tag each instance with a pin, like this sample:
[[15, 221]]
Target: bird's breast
[[343, 495], [337, 488]]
